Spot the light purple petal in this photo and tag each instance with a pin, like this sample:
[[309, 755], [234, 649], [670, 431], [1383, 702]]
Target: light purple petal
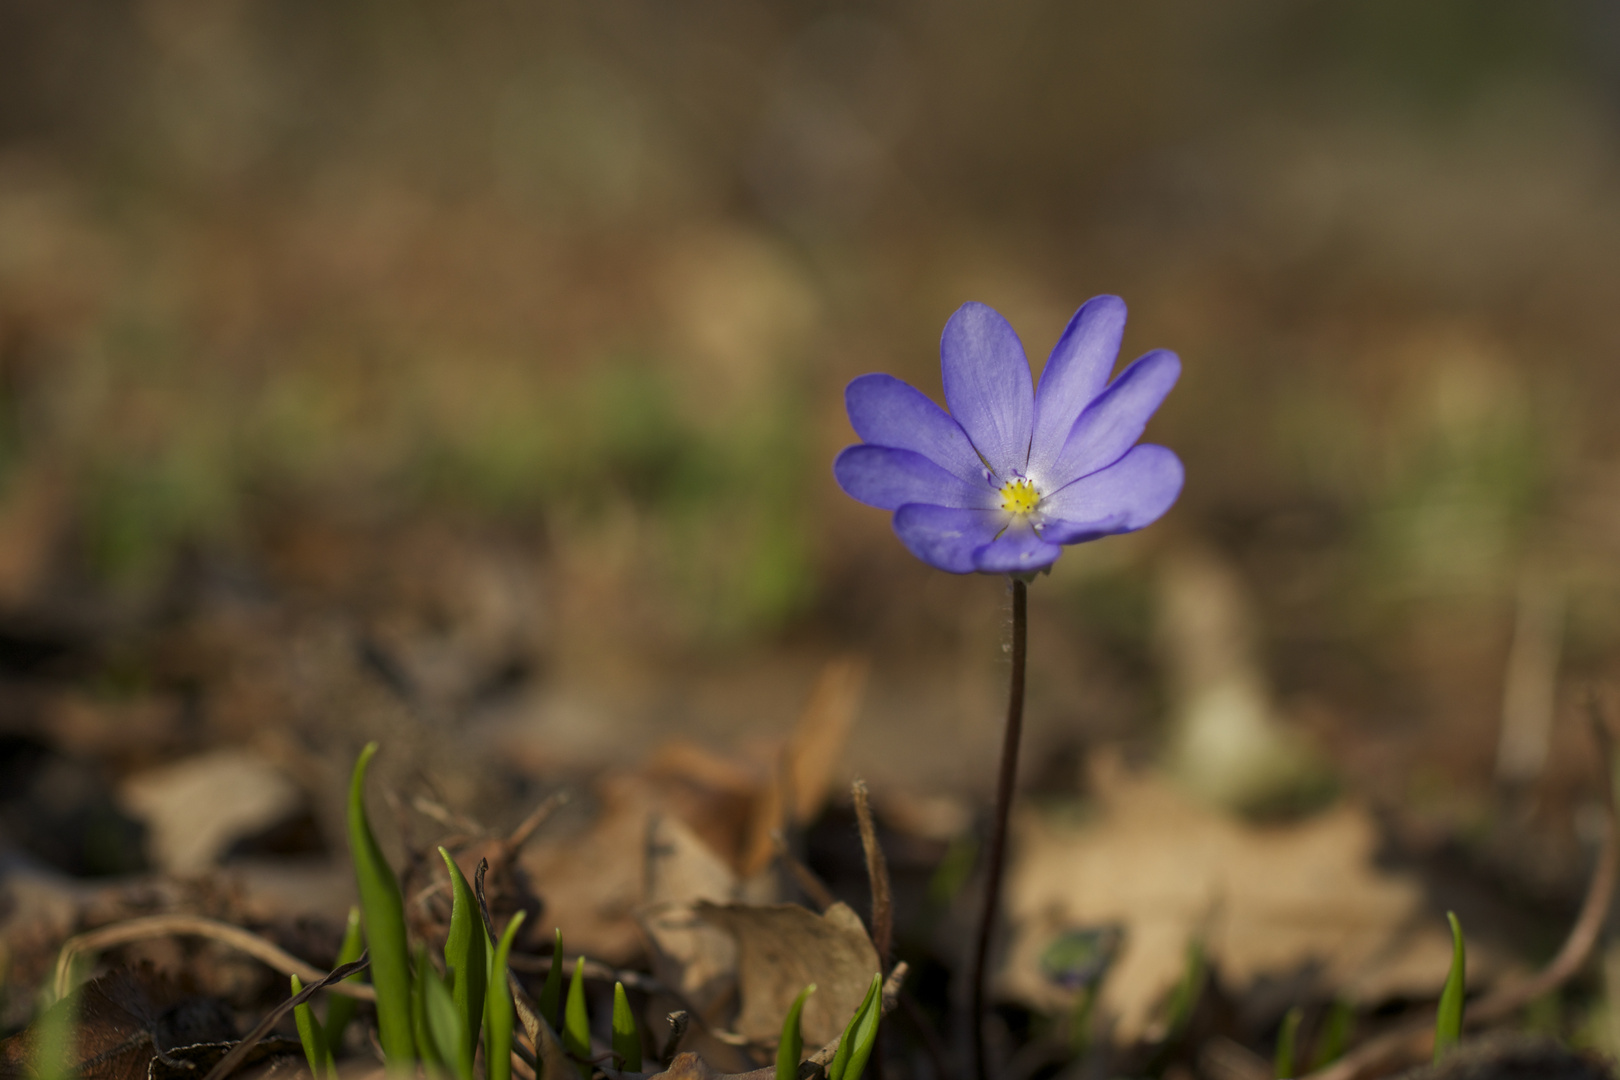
[[1018, 550], [987, 386], [1133, 492], [888, 412], [1075, 374], [1113, 423], [945, 538], [886, 478]]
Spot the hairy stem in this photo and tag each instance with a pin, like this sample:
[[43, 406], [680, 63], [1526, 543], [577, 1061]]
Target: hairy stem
[[998, 829]]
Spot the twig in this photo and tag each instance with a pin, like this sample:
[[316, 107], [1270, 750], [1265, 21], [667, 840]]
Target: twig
[[678, 1022], [594, 970], [812, 886], [998, 829], [536, 818], [877, 872], [328, 982], [550, 1060], [150, 926], [1409, 1039]]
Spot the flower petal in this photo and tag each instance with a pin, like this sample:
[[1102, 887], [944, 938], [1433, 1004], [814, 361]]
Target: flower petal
[[888, 412], [945, 538], [1075, 374], [1018, 550], [987, 386], [887, 478], [1133, 492], [1113, 423]]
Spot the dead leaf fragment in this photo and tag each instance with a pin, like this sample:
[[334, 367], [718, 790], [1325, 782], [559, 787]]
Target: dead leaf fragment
[[782, 948], [1265, 900]]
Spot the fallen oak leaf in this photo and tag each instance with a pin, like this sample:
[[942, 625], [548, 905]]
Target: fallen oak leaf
[[781, 949], [689, 1066]]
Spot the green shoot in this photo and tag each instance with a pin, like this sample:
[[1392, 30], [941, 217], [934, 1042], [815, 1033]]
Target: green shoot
[[421, 1026], [464, 959], [498, 1009], [1287, 1037], [340, 1009], [791, 1046], [383, 912], [1335, 1036], [576, 1032], [317, 1048], [551, 993], [626, 1039], [1448, 1024], [855, 1045], [1187, 992], [53, 1041], [443, 1021]]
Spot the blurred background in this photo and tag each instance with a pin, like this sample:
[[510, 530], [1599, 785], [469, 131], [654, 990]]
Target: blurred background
[[469, 378]]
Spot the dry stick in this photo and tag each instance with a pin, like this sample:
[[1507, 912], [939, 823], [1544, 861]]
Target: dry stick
[[328, 982], [544, 1043], [536, 818], [1408, 1039], [812, 886], [877, 872], [151, 926], [594, 970], [998, 833]]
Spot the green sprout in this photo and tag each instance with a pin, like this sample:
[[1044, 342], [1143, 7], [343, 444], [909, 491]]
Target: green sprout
[[317, 1047], [464, 961], [860, 1035], [1335, 1035], [498, 1009], [791, 1046], [626, 1039], [1448, 1024], [53, 1045], [340, 1007], [443, 1021], [576, 1032], [421, 1024], [1287, 1037], [551, 993], [383, 914]]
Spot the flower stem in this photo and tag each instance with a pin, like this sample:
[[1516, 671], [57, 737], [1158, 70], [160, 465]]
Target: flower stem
[[998, 834]]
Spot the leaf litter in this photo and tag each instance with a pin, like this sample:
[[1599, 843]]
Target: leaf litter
[[1302, 904]]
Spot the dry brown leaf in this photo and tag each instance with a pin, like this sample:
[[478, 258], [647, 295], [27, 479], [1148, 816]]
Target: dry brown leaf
[[782, 948], [1265, 900], [689, 954]]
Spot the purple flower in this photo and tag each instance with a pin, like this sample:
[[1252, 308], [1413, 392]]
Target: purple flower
[[1014, 471]]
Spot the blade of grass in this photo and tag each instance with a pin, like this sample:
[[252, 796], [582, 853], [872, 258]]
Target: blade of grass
[[421, 1027], [498, 1010], [1448, 1024], [464, 958], [1287, 1037], [551, 993], [340, 1009], [626, 1039], [576, 1032], [317, 1048], [791, 1046], [383, 913], [444, 1022], [53, 1039], [866, 1031], [844, 1057]]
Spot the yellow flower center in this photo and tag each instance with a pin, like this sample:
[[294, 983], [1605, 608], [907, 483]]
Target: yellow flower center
[[1019, 496]]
